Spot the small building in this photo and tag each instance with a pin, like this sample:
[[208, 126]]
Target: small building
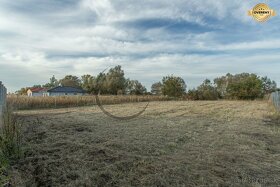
[[65, 90], [35, 92]]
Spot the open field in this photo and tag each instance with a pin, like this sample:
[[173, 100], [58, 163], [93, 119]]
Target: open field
[[183, 143]]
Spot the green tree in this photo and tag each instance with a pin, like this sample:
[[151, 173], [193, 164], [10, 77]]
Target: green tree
[[268, 85], [53, 83], [22, 91], [134, 87], [173, 86], [99, 84], [245, 86], [193, 94], [206, 91], [70, 80], [221, 84], [156, 88], [87, 83], [115, 81], [37, 86]]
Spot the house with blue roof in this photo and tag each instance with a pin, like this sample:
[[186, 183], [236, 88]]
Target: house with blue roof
[[65, 90]]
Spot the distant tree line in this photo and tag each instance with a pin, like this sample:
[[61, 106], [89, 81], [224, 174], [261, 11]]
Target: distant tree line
[[111, 83], [239, 86], [114, 82]]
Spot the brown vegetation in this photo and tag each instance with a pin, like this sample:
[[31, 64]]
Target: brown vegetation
[[10, 144], [24, 102], [183, 143]]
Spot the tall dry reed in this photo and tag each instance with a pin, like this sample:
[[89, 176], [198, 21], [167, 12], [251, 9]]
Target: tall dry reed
[[10, 144], [24, 102]]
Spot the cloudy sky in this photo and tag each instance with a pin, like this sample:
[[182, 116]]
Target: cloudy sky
[[194, 39]]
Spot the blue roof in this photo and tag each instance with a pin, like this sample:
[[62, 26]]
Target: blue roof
[[66, 89]]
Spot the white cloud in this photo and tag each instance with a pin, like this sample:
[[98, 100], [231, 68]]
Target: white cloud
[[102, 8], [264, 44], [189, 10], [39, 46]]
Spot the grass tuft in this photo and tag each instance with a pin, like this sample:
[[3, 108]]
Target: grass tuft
[[10, 144]]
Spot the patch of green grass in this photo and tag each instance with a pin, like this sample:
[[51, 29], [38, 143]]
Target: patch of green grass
[[4, 179]]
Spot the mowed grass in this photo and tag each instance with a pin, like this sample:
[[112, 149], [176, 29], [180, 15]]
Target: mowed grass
[[175, 143]]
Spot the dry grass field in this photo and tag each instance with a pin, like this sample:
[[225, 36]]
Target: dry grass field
[[175, 143]]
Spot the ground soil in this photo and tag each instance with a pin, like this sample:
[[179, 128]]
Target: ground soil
[[183, 143]]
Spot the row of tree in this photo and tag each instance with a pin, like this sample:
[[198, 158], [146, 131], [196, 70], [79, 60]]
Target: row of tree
[[239, 86], [112, 83]]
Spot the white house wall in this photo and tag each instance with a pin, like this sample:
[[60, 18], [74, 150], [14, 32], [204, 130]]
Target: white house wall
[[29, 93], [37, 94]]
